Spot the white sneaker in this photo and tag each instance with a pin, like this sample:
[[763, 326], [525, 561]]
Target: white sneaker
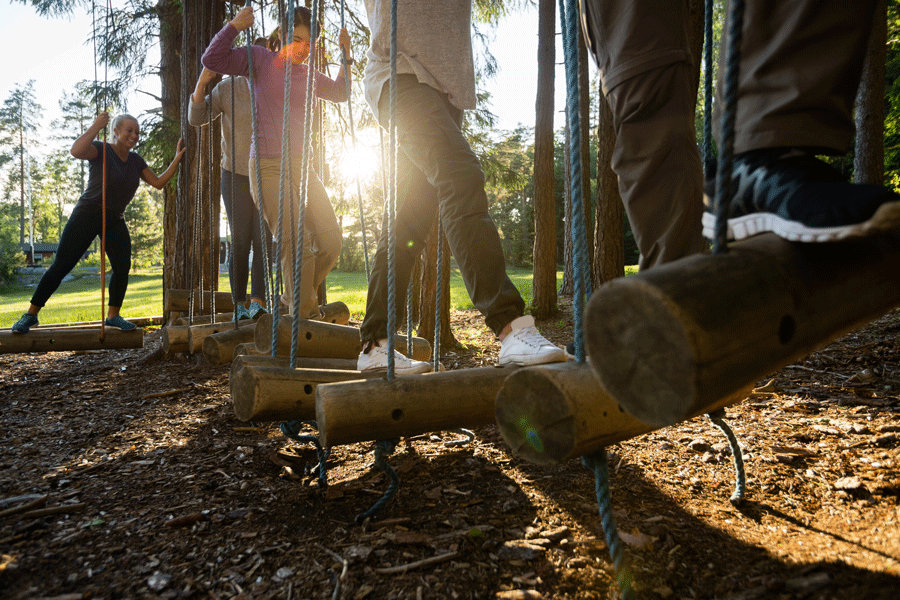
[[376, 359], [525, 346]]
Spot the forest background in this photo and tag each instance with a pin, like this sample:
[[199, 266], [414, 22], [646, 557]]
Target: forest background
[[526, 167]]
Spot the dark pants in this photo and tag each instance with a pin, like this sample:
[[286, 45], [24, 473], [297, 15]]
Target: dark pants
[[244, 221], [84, 225], [436, 169]]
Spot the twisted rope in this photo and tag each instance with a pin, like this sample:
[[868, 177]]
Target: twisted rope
[[438, 295], [383, 449], [392, 199], [724, 191], [291, 429], [740, 477]]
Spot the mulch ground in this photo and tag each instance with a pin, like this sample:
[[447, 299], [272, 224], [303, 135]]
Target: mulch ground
[[126, 476]]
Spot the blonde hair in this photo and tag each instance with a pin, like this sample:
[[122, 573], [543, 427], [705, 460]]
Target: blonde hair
[[118, 121]]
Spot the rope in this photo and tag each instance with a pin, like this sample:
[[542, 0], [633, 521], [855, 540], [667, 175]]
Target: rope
[[598, 463], [724, 190], [230, 229], [383, 449], [707, 87], [291, 429], [213, 225], [362, 217], [438, 295], [740, 477], [392, 198]]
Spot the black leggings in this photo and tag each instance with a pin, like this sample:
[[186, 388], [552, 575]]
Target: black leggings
[[83, 227]]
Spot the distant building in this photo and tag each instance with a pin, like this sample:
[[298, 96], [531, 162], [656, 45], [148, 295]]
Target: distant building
[[43, 253]]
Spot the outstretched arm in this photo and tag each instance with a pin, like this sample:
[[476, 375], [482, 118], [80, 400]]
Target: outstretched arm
[[160, 182], [83, 148], [198, 114], [220, 56]]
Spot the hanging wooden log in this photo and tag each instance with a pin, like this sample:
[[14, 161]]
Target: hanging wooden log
[[378, 409], [219, 348], [180, 301], [318, 339], [283, 362], [204, 319], [335, 312], [175, 339], [685, 337], [549, 414], [198, 333], [57, 340], [271, 393], [139, 321]]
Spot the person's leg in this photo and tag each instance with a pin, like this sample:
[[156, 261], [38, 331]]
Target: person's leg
[[82, 227], [323, 226], [118, 249], [799, 72], [258, 265], [270, 169], [646, 69], [239, 210]]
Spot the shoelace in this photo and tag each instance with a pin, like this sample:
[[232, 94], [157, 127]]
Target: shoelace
[[530, 336]]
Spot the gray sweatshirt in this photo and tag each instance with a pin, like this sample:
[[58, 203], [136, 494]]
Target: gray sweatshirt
[[221, 105], [434, 43]]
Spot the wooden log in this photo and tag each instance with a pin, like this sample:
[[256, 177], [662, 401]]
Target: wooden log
[[205, 319], [283, 362], [139, 321], [219, 348], [57, 340], [377, 409], [318, 339], [180, 301], [198, 333], [549, 414], [175, 339], [271, 393], [335, 312], [685, 337]]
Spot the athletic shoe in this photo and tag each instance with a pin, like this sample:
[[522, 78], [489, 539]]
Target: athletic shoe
[[255, 310], [791, 193], [118, 321], [525, 346], [375, 358], [26, 322], [240, 313]]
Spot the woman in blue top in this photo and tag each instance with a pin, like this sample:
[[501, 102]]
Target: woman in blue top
[[124, 170]]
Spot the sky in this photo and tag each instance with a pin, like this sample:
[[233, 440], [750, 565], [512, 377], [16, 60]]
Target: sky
[[68, 58]]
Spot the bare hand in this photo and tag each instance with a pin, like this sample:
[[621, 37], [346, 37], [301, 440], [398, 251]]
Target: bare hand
[[344, 41], [206, 76], [179, 152], [101, 121], [244, 19]]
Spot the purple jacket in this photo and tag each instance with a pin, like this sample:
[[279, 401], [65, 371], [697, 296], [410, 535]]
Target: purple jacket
[[268, 89]]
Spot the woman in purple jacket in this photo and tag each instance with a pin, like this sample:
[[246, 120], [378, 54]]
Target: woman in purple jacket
[[322, 234]]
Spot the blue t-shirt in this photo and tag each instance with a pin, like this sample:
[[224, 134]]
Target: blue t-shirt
[[122, 179]]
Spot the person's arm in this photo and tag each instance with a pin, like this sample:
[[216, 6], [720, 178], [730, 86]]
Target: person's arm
[[219, 55], [160, 182], [199, 114], [83, 148], [346, 57]]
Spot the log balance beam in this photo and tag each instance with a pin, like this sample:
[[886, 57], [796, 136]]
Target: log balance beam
[[180, 301], [325, 340], [378, 409], [549, 414], [685, 338], [58, 340]]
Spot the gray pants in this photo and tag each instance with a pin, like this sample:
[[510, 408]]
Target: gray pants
[[437, 170], [799, 74]]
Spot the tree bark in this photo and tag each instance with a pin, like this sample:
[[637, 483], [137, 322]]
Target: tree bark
[[544, 281], [868, 160], [609, 232]]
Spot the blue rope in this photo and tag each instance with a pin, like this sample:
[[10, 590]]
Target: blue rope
[[271, 285], [383, 449], [392, 199], [291, 429], [470, 436], [707, 86], [438, 295], [598, 463], [724, 191], [740, 477]]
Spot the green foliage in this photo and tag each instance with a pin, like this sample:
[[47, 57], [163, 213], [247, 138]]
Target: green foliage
[[11, 259], [144, 215]]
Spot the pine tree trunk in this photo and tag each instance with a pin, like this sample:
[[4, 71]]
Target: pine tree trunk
[[544, 281], [610, 229], [868, 163]]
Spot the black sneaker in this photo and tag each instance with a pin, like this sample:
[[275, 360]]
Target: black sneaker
[[25, 322], [791, 193]]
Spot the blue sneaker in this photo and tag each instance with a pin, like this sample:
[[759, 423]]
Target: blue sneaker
[[240, 313], [118, 321], [25, 323], [255, 310]]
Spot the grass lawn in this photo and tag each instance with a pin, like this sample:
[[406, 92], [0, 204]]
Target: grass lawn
[[79, 300]]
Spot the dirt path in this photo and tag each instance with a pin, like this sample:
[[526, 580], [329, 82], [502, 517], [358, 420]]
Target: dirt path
[[162, 493]]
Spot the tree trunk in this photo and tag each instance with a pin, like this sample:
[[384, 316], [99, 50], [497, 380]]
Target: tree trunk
[[544, 281], [610, 230], [195, 249], [868, 163]]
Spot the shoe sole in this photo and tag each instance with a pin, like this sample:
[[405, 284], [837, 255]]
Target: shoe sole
[[531, 360], [886, 218], [410, 371]]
